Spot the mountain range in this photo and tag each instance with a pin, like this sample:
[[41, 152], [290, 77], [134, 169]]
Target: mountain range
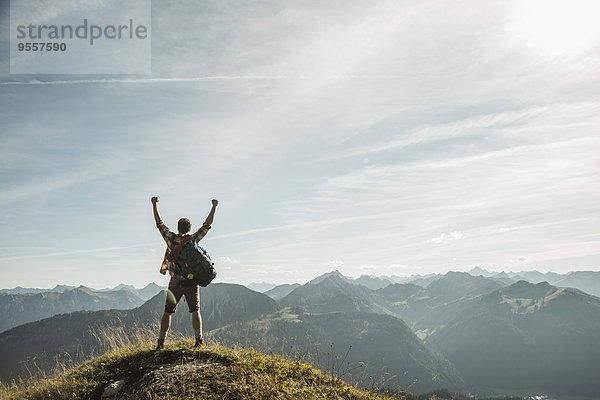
[[18, 309], [144, 293], [233, 314], [484, 334], [36, 347], [23, 307], [534, 333], [515, 337], [364, 347], [587, 281]]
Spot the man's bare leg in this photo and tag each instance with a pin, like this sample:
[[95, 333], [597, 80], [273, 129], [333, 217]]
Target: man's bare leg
[[197, 325], [165, 324]]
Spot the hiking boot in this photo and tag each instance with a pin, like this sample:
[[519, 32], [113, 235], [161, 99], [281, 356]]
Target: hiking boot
[[161, 344], [199, 342]]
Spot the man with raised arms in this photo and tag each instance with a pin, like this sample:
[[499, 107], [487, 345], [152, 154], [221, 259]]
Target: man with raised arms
[[179, 288]]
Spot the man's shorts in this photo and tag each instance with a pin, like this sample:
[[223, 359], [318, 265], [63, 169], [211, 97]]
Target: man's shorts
[[179, 288]]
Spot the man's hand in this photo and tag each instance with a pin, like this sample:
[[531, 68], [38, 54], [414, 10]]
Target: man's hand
[[214, 202], [154, 200]]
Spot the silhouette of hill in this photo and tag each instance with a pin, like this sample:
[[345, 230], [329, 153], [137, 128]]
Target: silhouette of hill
[[587, 281], [149, 291], [372, 282], [280, 291], [145, 293], [401, 292], [22, 290], [527, 336], [260, 287], [369, 281], [384, 346], [17, 309], [334, 293], [503, 278], [326, 275], [426, 309], [421, 280]]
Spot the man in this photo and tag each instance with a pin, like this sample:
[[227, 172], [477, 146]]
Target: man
[[178, 288]]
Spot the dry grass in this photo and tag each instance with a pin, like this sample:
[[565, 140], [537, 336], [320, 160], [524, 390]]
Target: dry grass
[[183, 372]]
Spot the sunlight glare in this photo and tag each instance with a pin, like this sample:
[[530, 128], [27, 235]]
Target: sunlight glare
[[556, 28]]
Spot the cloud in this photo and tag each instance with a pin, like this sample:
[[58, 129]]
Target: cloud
[[297, 226], [93, 169], [542, 124], [70, 252], [228, 260], [526, 259], [445, 238], [147, 80]]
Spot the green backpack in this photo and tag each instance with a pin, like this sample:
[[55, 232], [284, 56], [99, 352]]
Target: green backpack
[[191, 263]]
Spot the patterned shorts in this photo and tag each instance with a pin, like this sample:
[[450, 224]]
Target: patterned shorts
[[179, 288]]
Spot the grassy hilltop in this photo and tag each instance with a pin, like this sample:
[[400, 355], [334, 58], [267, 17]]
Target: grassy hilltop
[[183, 372]]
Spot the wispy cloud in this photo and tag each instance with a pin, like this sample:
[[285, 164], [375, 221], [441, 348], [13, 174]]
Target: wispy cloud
[[70, 253], [298, 226], [228, 260], [446, 237], [93, 169], [149, 80], [539, 123]]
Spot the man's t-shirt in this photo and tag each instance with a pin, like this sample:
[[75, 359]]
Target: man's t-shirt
[[173, 239]]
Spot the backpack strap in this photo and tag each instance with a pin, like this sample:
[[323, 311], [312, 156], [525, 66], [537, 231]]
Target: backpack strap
[[174, 255]]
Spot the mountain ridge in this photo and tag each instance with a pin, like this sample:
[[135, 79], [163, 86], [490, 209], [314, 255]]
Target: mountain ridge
[[80, 335], [351, 335], [485, 329], [538, 335], [18, 309]]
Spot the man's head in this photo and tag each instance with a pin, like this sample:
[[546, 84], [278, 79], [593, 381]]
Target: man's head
[[184, 225]]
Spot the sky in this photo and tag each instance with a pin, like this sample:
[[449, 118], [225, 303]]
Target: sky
[[380, 137]]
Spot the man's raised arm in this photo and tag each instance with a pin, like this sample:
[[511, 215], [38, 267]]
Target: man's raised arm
[[211, 216], [155, 209]]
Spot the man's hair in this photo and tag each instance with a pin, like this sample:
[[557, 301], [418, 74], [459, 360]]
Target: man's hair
[[184, 225]]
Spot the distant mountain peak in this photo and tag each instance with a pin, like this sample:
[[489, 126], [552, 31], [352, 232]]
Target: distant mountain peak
[[152, 285], [337, 279], [124, 286], [373, 282], [532, 291], [458, 274], [260, 287], [326, 275], [83, 289], [479, 271]]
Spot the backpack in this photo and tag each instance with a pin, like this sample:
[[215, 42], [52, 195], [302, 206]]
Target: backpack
[[193, 264]]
